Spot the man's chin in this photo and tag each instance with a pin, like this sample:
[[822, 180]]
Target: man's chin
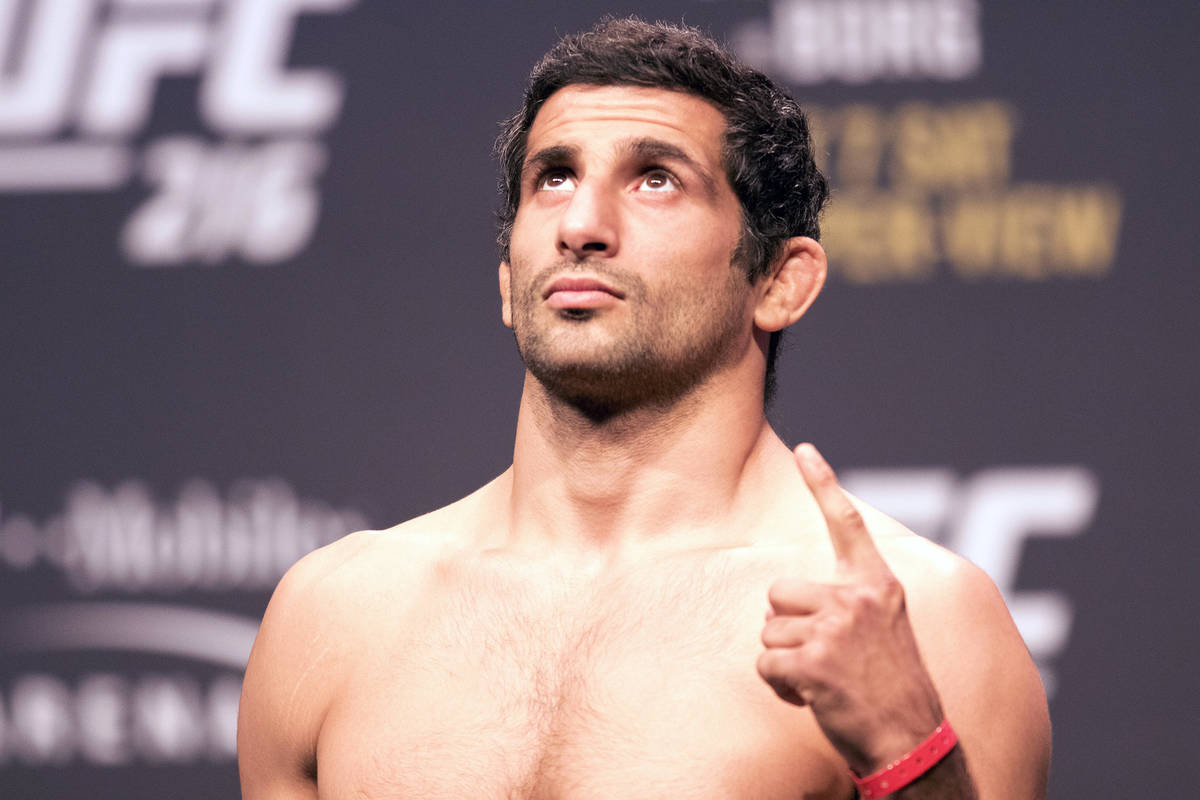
[[604, 375], [604, 390], [578, 378]]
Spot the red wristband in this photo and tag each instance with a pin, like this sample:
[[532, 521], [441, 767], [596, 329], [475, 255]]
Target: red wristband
[[910, 766]]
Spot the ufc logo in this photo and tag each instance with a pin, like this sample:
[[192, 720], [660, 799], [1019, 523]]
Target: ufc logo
[[987, 518], [95, 65]]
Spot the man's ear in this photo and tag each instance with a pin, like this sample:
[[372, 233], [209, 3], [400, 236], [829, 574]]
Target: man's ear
[[506, 293], [790, 289]]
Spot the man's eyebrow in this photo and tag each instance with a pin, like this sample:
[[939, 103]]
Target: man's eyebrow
[[554, 156], [658, 150]]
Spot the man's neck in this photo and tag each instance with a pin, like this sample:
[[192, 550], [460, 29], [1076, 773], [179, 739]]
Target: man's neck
[[683, 474]]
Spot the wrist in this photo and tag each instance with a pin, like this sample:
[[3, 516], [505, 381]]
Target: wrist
[[891, 738], [910, 766]]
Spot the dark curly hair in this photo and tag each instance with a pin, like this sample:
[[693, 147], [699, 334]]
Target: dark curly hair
[[767, 148]]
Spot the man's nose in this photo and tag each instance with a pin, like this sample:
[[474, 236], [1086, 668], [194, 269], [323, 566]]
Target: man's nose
[[588, 225]]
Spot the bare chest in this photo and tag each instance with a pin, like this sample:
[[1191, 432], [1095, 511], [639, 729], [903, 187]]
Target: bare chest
[[642, 690]]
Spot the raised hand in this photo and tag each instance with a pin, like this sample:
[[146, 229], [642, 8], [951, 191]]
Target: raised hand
[[846, 649]]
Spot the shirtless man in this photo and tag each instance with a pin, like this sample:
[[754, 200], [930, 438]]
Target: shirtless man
[[590, 624]]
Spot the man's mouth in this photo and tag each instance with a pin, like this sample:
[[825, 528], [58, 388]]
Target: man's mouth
[[580, 292]]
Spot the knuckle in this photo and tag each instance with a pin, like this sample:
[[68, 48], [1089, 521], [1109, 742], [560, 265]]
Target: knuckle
[[817, 652], [782, 667], [864, 599], [780, 632], [886, 595], [890, 589], [831, 626], [861, 602], [792, 664], [849, 516]]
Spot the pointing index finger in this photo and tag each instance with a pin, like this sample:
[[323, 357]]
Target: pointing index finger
[[851, 540]]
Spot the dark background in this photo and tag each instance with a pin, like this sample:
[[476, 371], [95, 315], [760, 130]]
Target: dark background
[[370, 376]]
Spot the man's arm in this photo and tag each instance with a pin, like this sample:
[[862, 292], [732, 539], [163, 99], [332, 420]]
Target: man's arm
[[286, 688], [985, 676], [849, 651]]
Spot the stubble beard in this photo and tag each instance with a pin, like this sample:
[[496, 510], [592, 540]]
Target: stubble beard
[[668, 346]]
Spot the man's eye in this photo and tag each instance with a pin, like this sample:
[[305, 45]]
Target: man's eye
[[658, 181], [556, 181]]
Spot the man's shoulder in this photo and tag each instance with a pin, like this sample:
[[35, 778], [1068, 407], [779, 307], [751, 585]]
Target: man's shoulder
[[393, 558], [324, 595], [405, 546], [961, 617], [329, 607], [921, 564], [950, 599]]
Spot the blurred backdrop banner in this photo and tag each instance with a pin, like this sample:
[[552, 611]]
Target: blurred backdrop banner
[[248, 304]]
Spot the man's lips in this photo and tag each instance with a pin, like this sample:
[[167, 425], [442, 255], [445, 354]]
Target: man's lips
[[580, 292]]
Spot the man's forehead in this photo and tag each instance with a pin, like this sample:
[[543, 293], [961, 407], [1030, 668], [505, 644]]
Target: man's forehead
[[579, 114]]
